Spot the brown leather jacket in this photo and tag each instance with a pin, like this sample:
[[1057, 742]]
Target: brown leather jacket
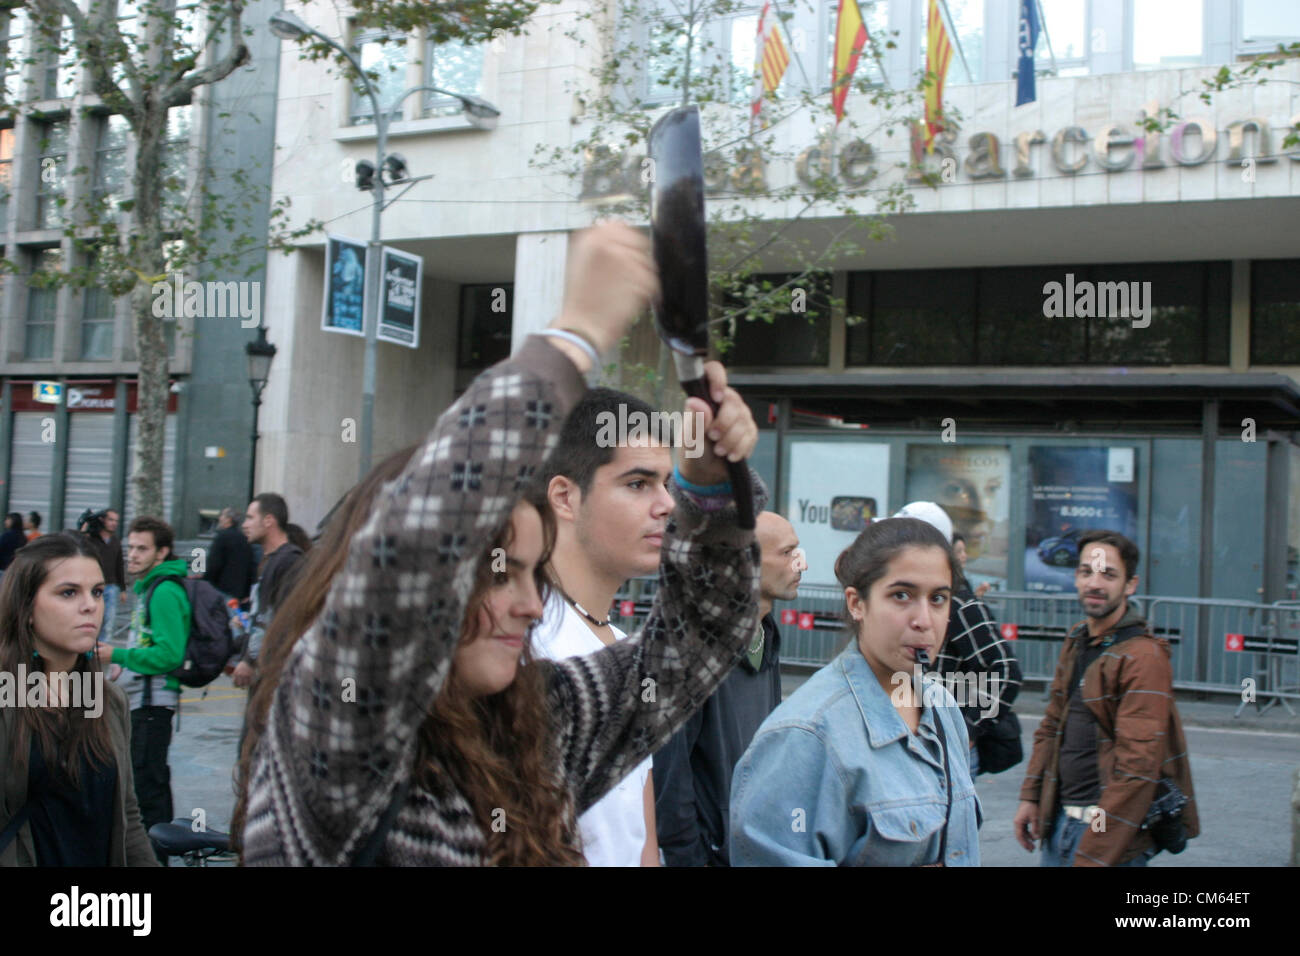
[[1129, 689]]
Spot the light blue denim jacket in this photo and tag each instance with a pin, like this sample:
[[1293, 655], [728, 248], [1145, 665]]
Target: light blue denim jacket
[[834, 777]]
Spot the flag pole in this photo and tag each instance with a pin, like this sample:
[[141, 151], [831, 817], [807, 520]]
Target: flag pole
[[793, 52]]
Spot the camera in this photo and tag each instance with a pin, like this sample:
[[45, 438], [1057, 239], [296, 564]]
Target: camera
[[92, 521], [1164, 819]]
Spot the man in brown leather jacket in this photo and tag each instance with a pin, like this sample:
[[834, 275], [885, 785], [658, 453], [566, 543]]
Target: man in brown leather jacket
[[1112, 728]]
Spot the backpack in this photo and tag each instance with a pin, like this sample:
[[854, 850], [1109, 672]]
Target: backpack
[[210, 642]]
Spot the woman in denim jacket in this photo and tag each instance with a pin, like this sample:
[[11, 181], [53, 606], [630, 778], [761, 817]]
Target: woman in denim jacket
[[850, 770]]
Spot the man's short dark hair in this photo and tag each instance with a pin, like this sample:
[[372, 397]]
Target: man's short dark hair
[[163, 536], [35, 518], [1128, 551], [577, 456], [269, 503], [958, 536]]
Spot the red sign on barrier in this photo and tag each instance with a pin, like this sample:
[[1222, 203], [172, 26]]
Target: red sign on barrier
[[805, 621], [788, 615], [1233, 642], [1011, 632], [626, 608]]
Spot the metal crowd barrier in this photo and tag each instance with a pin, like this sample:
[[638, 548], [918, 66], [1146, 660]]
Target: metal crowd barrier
[[1217, 645]]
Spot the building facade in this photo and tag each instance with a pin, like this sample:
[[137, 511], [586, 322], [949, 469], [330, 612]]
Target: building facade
[[1084, 321], [62, 146]]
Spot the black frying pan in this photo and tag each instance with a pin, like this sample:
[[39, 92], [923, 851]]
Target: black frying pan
[[677, 228]]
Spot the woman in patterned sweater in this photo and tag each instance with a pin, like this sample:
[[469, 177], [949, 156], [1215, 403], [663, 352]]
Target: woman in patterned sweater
[[414, 689]]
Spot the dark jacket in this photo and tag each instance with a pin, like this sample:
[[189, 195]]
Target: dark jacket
[[110, 559], [1129, 690], [279, 569], [128, 843], [692, 773], [231, 568], [10, 542], [974, 645]]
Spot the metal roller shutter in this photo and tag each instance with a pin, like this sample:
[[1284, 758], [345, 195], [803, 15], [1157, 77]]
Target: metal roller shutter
[[31, 466], [169, 469], [90, 464]]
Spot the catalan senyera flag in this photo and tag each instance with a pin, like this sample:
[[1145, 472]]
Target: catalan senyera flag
[[850, 40], [938, 55], [772, 57]]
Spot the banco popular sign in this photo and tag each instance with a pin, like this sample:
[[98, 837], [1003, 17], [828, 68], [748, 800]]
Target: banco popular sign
[[1113, 147]]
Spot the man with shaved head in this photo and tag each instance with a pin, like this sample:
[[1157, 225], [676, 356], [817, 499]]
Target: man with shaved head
[[692, 773]]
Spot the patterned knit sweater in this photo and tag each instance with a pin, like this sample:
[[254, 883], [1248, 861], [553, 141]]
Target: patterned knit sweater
[[325, 769]]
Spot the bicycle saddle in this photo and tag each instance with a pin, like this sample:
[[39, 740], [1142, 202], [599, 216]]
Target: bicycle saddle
[[179, 837]]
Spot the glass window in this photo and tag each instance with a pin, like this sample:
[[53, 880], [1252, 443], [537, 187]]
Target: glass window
[[666, 57], [52, 170], [965, 32], [876, 17], [1065, 24], [743, 49], [383, 57], [1269, 21], [61, 65], [915, 317], [127, 24], [1275, 312], [455, 67], [799, 334], [41, 308], [15, 53], [6, 176], [1188, 304], [486, 313], [110, 160], [1012, 327], [176, 154], [96, 321], [1166, 34]]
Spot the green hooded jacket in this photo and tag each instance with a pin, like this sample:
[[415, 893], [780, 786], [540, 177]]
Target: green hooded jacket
[[159, 648]]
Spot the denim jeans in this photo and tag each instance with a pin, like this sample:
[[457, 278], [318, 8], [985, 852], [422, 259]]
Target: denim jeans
[[112, 594], [974, 761], [1058, 849]]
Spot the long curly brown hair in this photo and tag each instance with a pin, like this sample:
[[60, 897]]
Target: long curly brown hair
[[496, 751]]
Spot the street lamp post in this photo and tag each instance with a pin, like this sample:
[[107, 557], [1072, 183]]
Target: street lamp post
[[260, 354], [288, 26]]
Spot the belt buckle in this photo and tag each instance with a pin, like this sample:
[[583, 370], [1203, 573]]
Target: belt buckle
[[1082, 814]]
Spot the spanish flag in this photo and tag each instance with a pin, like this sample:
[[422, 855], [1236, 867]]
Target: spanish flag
[[772, 60], [850, 39], [938, 54]]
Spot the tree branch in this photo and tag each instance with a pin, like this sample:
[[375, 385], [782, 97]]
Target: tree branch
[[178, 91]]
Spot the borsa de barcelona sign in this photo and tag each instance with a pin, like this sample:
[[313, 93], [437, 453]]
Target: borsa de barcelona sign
[[1193, 141]]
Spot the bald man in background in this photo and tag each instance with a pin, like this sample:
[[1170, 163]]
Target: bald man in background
[[692, 773]]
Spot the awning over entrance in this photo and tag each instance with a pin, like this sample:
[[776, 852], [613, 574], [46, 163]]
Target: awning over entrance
[[1067, 400]]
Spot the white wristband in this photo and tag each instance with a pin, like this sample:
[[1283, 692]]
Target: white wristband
[[572, 339]]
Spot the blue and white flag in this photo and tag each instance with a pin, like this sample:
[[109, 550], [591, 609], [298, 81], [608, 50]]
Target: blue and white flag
[[1028, 39]]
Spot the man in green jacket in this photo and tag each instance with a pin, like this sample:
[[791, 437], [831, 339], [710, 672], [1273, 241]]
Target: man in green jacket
[[159, 633]]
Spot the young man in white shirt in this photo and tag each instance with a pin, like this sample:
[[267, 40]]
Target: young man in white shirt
[[607, 488]]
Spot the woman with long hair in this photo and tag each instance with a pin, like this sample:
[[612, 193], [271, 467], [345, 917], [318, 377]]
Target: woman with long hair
[[408, 724], [67, 796], [302, 604], [866, 763]]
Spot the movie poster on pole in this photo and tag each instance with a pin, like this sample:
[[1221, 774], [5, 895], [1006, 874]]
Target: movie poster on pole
[[399, 305], [345, 283], [1073, 490], [834, 491], [972, 484]]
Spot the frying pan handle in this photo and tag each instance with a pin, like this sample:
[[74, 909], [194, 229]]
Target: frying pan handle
[[737, 471]]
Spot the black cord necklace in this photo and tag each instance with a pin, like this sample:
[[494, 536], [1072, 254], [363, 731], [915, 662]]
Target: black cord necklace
[[585, 613]]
